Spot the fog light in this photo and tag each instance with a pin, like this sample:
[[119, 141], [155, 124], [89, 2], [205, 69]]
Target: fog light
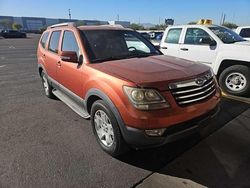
[[155, 132]]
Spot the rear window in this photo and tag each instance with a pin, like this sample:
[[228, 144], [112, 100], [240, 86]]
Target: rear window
[[44, 39], [54, 41], [173, 36], [245, 32]]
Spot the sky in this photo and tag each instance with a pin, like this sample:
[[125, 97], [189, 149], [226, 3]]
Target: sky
[[136, 11]]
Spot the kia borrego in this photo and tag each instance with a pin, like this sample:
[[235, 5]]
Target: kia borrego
[[134, 96]]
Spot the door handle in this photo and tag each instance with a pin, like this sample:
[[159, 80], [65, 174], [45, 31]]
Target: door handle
[[164, 48], [184, 49], [59, 64]]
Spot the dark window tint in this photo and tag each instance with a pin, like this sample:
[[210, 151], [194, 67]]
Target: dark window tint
[[194, 36], [69, 42], [44, 39], [173, 36], [106, 45], [245, 33], [54, 41]]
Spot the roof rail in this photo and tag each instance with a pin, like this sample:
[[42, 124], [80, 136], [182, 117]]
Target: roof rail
[[72, 24]]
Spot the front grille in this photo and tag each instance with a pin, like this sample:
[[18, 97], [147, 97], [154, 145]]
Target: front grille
[[193, 91]]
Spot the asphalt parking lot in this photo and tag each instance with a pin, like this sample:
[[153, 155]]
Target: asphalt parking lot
[[43, 143]]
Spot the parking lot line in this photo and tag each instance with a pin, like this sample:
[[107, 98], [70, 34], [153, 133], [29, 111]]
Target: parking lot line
[[1, 66], [241, 99]]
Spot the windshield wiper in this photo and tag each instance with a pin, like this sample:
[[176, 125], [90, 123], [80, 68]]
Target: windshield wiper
[[142, 55], [109, 58]]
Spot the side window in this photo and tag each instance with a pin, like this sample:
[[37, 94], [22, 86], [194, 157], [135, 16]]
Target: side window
[[194, 36], [69, 42], [173, 36], [245, 33], [44, 39], [54, 41]]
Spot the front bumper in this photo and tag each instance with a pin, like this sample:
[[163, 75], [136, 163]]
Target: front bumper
[[138, 139]]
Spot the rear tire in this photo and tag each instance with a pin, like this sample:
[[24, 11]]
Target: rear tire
[[106, 129], [46, 86], [235, 80]]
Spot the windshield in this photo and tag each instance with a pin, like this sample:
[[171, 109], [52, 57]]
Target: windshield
[[226, 35], [106, 45]]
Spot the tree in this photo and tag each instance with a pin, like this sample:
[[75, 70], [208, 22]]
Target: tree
[[136, 26], [230, 25], [80, 23], [159, 27], [16, 26], [192, 23], [6, 23]]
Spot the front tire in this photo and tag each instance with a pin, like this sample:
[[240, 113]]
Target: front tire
[[106, 129], [235, 80]]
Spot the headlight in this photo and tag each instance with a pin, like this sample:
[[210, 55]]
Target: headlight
[[146, 99]]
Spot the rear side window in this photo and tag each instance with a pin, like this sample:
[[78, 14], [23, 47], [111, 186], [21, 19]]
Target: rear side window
[[173, 36], [54, 41], [44, 39], [69, 42], [245, 32]]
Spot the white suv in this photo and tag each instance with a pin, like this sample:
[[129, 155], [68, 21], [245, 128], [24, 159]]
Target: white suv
[[222, 49], [244, 31]]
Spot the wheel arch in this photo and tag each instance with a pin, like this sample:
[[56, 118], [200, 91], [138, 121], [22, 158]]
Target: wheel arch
[[40, 69], [96, 94], [228, 63]]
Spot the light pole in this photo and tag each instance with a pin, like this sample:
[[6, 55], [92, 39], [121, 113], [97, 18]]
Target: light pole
[[69, 14]]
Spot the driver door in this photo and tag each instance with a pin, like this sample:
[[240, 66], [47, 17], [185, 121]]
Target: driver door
[[70, 74]]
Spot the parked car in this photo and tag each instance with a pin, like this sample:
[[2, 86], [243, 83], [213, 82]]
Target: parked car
[[134, 95], [244, 31], [156, 42], [222, 49], [13, 34]]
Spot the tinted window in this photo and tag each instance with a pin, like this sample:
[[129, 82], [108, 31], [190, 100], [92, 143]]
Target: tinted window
[[245, 32], [54, 41], [106, 45], [69, 42], [173, 36], [194, 36], [44, 39]]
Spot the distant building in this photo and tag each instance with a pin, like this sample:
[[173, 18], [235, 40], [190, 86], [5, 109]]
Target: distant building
[[123, 23], [33, 24]]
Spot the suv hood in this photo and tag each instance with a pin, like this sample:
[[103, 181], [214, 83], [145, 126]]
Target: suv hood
[[153, 71]]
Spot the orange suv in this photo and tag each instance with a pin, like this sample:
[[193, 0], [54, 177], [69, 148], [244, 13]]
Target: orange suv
[[134, 95]]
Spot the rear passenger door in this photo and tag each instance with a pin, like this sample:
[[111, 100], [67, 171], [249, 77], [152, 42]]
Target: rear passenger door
[[51, 57], [70, 74], [170, 43]]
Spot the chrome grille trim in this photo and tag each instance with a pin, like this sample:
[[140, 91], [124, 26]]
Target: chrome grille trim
[[191, 90], [193, 95], [198, 99], [195, 90]]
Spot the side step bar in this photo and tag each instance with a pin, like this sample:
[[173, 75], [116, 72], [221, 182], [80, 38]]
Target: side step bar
[[71, 103]]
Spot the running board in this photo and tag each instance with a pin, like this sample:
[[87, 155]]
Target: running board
[[71, 103]]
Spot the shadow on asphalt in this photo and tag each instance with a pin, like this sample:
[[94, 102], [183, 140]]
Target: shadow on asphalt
[[157, 158]]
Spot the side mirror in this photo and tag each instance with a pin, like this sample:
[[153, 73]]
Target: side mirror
[[208, 41], [69, 56]]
